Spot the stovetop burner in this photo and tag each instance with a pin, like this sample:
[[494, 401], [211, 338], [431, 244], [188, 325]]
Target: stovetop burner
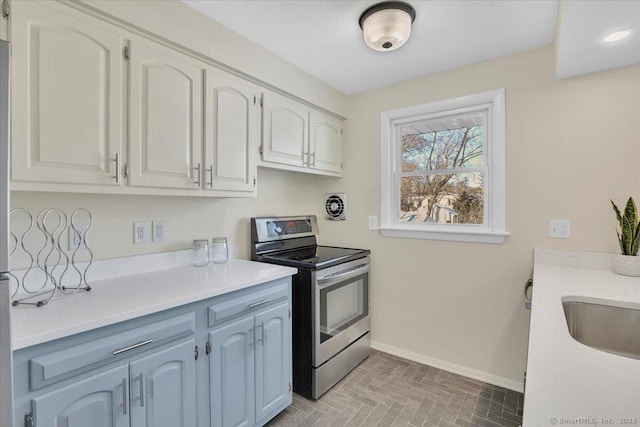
[[316, 256]]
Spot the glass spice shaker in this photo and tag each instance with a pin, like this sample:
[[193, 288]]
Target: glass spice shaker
[[219, 250], [200, 252]]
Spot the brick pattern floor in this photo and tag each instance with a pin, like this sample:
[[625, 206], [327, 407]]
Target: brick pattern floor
[[387, 391]]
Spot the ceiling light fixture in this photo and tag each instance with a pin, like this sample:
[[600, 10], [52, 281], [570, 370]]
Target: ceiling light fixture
[[387, 25], [617, 35]]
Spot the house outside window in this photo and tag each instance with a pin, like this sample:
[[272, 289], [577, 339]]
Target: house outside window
[[443, 170]]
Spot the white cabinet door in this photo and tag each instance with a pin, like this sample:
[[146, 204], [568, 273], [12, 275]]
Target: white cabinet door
[[285, 130], [68, 93], [165, 113], [231, 131], [325, 152]]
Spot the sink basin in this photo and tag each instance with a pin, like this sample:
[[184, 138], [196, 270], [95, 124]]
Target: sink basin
[[610, 326]]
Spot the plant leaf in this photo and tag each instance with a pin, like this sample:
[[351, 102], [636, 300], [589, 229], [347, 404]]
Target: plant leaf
[[627, 235], [631, 213], [618, 216], [620, 242], [636, 245]]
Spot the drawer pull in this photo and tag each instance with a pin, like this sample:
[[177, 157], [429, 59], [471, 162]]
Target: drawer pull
[[255, 304], [131, 347]]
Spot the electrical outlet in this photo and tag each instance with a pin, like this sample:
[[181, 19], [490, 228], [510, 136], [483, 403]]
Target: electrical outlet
[[140, 233], [158, 231], [373, 223], [74, 238], [559, 229]]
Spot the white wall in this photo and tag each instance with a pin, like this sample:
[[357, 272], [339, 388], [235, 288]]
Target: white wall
[[185, 218], [571, 145]]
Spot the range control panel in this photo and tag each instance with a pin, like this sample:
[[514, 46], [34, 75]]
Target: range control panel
[[280, 228], [285, 227]]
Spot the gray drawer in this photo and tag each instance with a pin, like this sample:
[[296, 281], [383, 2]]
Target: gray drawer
[[56, 366], [222, 311]]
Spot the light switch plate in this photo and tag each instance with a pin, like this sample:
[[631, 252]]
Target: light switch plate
[[373, 222], [559, 229]]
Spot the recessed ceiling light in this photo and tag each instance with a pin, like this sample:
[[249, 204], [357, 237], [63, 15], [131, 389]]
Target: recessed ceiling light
[[617, 35]]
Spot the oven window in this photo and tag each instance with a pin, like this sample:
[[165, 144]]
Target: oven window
[[342, 305]]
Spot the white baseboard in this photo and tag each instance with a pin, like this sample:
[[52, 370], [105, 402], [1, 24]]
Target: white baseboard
[[450, 367]]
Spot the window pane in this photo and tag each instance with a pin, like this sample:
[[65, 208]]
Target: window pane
[[446, 143], [442, 198]]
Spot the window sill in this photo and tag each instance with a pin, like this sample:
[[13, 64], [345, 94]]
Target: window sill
[[472, 236]]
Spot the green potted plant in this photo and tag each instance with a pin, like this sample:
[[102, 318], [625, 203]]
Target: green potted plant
[[628, 262]]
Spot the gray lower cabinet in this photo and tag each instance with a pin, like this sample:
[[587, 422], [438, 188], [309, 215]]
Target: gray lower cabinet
[[163, 387], [224, 361], [232, 375], [273, 361], [157, 390], [250, 368], [97, 401]]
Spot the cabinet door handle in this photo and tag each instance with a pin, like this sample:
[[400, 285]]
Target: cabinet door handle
[[262, 337], [117, 175], [210, 170], [124, 396], [313, 156], [198, 180], [256, 304], [141, 379], [252, 337], [261, 334], [305, 158], [131, 347]]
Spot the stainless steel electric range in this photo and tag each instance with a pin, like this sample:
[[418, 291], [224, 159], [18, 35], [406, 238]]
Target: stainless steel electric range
[[330, 300]]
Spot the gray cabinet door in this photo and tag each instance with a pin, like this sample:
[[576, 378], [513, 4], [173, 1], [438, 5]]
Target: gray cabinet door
[[97, 401], [163, 388], [273, 360], [232, 374]]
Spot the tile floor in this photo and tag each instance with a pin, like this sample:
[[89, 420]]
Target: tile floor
[[387, 391]]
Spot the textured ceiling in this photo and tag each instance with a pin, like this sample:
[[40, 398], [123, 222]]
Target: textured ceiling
[[583, 26], [323, 38]]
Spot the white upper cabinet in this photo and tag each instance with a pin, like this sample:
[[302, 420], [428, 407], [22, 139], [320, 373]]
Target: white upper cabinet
[[325, 142], [68, 93], [97, 107], [285, 130], [166, 121], [231, 134], [296, 137]]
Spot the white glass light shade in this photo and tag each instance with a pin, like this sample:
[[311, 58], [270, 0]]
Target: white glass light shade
[[387, 29]]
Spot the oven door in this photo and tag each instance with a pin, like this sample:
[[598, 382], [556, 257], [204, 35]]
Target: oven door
[[341, 308]]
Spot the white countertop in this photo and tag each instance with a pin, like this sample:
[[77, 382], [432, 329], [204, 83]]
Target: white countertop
[[123, 298], [568, 382]]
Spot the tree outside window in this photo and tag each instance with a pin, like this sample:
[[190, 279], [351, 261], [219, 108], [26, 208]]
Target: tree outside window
[[443, 170]]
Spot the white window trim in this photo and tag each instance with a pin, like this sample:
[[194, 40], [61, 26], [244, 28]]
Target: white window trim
[[493, 231]]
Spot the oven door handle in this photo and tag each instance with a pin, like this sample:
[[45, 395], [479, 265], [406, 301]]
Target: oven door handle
[[340, 277]]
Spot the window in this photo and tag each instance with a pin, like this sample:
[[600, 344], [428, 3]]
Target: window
[[443, 170]]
